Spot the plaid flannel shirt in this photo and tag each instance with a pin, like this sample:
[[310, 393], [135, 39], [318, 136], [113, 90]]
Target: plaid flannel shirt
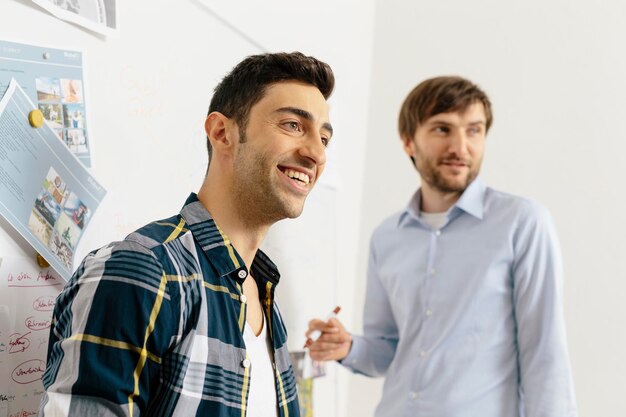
[[153, 326]]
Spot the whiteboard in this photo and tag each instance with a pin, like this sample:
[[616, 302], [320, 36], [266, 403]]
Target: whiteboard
[[148, 90]]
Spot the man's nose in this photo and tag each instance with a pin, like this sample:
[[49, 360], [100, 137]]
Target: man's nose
[[313, 148], [458, 143]]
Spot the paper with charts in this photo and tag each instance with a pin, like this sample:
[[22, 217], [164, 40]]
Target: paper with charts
[[46, 194], [53, 79], [27, 297]]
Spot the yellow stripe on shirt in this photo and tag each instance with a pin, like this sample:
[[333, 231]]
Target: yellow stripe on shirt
[[283, 403], [229, 246], [82, 337], [268, 309], [179, 228], [144, 352], [244, 390]]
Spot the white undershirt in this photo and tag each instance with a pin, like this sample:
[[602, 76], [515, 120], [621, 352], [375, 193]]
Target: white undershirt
[[434, 220], [262, 395]]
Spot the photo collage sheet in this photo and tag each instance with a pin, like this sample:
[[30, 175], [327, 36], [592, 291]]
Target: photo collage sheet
[[53, 80]]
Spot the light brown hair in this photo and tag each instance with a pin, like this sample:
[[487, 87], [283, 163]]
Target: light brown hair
[[440, 95]]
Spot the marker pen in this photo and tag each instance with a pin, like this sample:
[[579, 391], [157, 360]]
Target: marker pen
[[315, 334]]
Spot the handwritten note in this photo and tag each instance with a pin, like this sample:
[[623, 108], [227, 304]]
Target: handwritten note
[[27, 296]]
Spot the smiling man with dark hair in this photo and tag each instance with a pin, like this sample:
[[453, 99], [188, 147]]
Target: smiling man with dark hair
[[179, 318]]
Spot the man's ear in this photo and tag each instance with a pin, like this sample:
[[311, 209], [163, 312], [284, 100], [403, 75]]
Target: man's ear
[[409, 147], [219, 130]]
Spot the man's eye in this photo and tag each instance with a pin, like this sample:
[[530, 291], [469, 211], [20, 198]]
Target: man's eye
[[474, 130], [294, 126], [441, 129], [325, 141]]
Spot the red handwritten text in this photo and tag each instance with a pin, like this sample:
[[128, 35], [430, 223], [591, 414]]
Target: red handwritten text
[[18, 342], [29, 371], [43, 279], [34, 323], [23, 413], [46, 277], [22, 276], [44, 303]]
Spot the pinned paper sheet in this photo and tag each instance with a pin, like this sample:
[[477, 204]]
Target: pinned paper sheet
[[46, 194]]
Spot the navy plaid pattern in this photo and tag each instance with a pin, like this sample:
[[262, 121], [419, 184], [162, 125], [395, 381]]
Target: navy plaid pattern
[[153, 326]]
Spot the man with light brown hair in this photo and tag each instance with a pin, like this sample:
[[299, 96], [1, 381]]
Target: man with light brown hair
[[463, 312]]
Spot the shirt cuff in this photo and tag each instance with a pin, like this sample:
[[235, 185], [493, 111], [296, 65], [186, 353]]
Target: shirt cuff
[[352, 359]]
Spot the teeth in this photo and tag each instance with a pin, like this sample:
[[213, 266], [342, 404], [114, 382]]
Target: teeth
[[296, 175]]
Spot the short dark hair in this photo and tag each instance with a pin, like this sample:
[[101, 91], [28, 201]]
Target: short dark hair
[[246, 84], [440, 95]]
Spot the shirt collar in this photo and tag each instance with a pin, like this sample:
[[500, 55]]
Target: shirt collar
[[220, 252], [471, 201]]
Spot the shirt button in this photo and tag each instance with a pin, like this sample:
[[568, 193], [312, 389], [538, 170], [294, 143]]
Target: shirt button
[[245, 363], [429, 312], [423, 353], [437, 232], [242, 274], [243, 298], [432, 271], [414, 395]]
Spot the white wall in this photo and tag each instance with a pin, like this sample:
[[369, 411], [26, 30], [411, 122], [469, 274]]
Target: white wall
[[555, 73]]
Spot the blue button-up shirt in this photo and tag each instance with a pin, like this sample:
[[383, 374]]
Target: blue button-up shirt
[[153, 326], [466, 320]]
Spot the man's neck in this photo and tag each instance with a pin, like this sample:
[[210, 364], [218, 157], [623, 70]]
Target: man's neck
[[245, 235], [437, 201]]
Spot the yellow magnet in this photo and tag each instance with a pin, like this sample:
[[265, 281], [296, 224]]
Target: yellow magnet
[[35, 118], [42, 262]]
